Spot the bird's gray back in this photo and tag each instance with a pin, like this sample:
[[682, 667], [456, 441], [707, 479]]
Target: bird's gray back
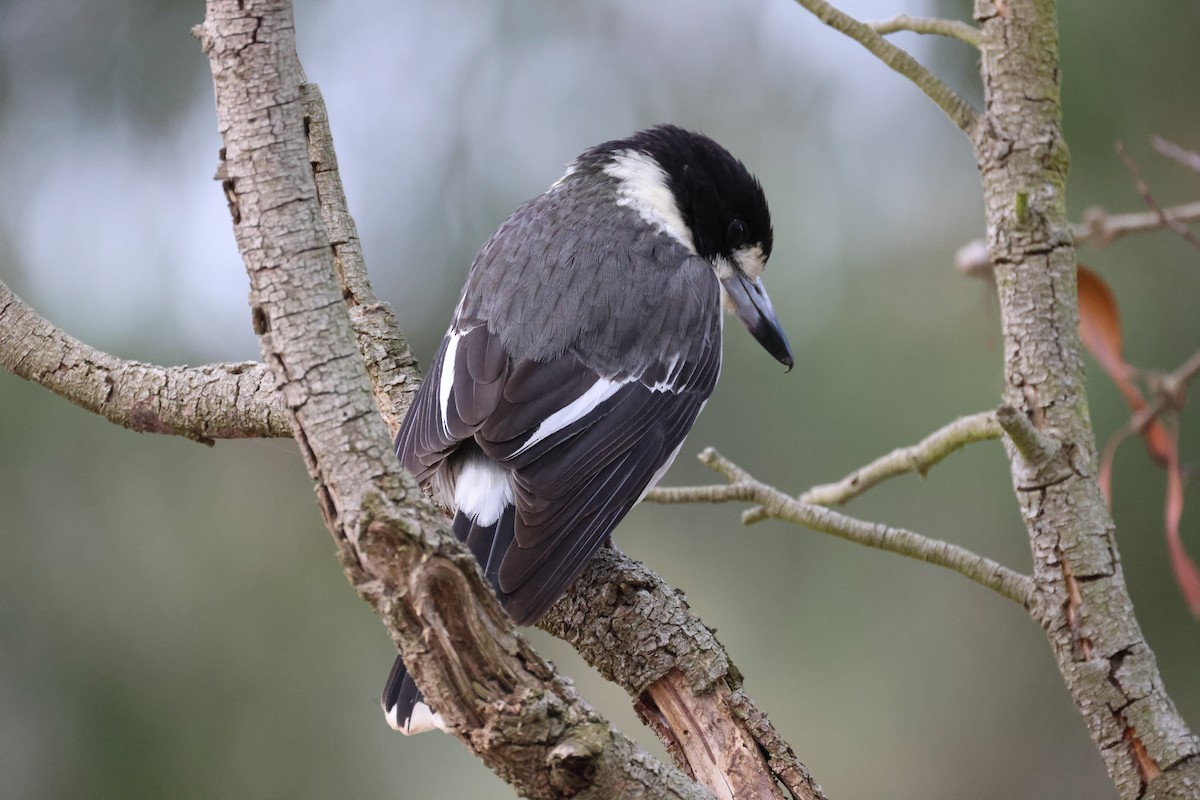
[[573, 271]]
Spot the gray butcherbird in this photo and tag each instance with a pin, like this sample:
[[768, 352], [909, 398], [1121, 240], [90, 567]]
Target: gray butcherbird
[[586, 341]]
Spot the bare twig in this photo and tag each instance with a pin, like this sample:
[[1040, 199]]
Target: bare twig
[[217, 401], [1100, 229], [916, 458], [1097, 229], [774, 504], [1034, 446], [1172, 384], [958, 109], [1169, 394], [1188, 158], [1144, 190], [952, 28]]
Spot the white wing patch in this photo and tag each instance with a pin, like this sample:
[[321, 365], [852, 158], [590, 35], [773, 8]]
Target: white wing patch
[[574, 411], [446, 379], [667, 384], [644, 188]]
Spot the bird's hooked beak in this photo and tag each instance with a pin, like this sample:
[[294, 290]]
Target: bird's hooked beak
[[752, 306]]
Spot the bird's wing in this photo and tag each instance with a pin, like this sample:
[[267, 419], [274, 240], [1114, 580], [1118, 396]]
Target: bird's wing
[[582, 447], [582, 480], [465, 386], [578, 467]]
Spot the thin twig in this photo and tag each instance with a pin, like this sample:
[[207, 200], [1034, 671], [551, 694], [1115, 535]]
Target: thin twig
[[1167, 220], [774, 504], [1188, 158], [958, 109], [952, 28], [1034, 446], [1097, 229], [1172, 384], [914, 458], [1169, 394]]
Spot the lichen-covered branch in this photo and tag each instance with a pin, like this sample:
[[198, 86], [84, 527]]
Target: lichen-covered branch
[[958, 109], [918, 458], [774, 504], [952, 28], [216, 401]]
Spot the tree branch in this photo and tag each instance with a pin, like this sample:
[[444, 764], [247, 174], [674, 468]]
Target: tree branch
[[621, 653], [952, 28], [394, 373], [918, 458], [1097, 228], [1181, 155], [217, 401], [638, 632], [958, 109], [495, 694], [1080, 599], [774, 504], [1143, 189]]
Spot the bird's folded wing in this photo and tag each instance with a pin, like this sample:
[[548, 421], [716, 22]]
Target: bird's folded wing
[[576, 480]]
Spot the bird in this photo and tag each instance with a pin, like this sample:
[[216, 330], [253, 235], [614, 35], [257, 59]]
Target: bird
[[585, 342]]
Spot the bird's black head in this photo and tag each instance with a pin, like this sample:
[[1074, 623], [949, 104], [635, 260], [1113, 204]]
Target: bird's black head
[[722, 204], [693, 190]]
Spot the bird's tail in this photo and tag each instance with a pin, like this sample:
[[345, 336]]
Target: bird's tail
[[403, 706]]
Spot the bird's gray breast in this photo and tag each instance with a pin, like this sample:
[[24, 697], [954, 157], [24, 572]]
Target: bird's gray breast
[[574, 271]]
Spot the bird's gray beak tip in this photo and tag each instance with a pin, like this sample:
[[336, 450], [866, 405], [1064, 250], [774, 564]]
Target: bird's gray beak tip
[[753, 308]]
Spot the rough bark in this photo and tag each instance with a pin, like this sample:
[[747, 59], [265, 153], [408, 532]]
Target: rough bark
[[648, 633], [1080, 598], [216, 401], [496, 695], [638, 632]]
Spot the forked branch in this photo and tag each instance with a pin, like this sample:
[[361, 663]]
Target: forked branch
[[958, 109], [774, 504], [951, 28], [918, 458]]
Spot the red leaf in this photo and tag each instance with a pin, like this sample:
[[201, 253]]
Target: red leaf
[[1187, 575], [1100, 331], [1100, 325]]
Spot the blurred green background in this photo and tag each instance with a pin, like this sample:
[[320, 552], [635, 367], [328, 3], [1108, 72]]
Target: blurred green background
[[173, 621]]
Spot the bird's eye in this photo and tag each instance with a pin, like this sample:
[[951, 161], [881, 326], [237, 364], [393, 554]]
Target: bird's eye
[[735, 237]]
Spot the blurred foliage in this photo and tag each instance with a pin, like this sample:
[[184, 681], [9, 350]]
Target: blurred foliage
[[173, 622]]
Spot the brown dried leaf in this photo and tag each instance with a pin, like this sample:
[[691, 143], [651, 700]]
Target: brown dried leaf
[[1100, 331], [1187, 575], [1100, 324]]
